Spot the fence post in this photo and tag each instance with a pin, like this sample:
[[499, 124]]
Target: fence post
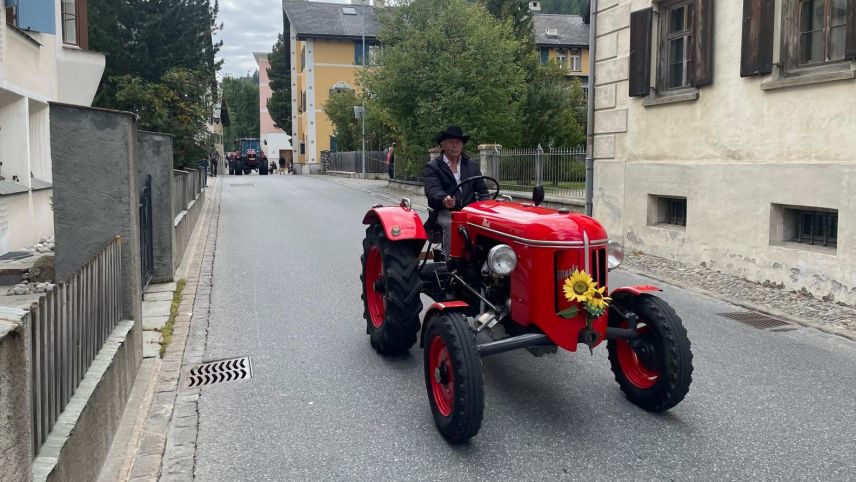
[[539, 165], [487, 157]]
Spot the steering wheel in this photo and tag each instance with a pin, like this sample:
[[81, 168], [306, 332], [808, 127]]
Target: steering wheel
[[464, 202]]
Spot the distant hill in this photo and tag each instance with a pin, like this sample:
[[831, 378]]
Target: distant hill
[[567, 7]]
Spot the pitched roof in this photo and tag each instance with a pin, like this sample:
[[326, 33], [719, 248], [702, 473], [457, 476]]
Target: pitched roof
[[328, 20], [571, 31]]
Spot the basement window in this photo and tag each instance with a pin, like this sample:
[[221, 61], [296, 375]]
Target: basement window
[[668, 211], [804, 227]]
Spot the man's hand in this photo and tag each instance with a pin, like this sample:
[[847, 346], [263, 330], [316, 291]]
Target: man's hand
[[449, 202]]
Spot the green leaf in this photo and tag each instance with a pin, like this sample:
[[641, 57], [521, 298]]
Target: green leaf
[[569, 313]]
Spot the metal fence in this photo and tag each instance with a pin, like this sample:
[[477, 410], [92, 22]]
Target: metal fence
[[186, 185], [69, 326], [353, 162], [561, 171]]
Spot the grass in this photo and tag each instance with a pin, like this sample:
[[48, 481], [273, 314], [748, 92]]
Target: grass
[[166, 332]]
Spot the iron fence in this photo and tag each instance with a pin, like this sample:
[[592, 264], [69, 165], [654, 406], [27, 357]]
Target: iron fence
[[561, 171], [353, 162], [69, 326]]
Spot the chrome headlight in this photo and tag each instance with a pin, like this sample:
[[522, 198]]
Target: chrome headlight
[[614, 254], [501, 260]]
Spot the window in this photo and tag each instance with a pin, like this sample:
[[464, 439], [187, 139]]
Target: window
[[372, 53], [11, 13], [69, 22], [822, 28], [804, 225], [576, 60], [303, 58], [303, 148], [545, 55], [552, 32], [667, 210], [562, 58], [676, 46], [683, 45]]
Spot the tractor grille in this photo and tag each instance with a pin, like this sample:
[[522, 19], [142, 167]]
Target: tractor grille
[[567, 261], [598, 266]]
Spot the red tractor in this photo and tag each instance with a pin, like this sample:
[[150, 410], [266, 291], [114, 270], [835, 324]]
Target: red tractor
[[518, 275]]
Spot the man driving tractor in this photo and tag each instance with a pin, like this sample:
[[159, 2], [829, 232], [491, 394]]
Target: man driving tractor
[[442, 176]]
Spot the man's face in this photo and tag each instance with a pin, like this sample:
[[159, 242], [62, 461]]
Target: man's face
[[452, 147]]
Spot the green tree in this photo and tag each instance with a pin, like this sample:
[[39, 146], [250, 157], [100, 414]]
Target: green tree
[[241, 95], [279, 79], [554, 112], [447, 62], [567, 7], [347, 129]]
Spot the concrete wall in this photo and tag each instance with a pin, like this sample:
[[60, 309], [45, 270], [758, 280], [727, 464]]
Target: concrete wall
[[184, 224], [16, 447], [155, 157], [737, 153], [96, 193]]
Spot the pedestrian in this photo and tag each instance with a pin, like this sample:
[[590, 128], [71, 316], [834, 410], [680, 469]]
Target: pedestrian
[[390, 161], [281, 164], [443, 174], [213, 164], [272, 167]]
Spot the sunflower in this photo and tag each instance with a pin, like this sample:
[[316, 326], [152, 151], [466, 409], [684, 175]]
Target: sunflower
[[578, 286], [597, 300]]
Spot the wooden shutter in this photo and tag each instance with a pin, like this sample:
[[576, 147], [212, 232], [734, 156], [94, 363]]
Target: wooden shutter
[[545, 55], [850, 52], [756, 55], [703, 43], [640, 52]]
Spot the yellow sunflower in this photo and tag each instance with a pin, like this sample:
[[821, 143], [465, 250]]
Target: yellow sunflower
[[578, 286], [597, 300]]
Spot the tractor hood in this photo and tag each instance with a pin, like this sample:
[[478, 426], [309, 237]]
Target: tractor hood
[[534, 225]]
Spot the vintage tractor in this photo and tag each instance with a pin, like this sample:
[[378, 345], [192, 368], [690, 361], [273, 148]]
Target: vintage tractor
[[518, 275]]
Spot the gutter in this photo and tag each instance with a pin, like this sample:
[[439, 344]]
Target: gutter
[[590, 108]]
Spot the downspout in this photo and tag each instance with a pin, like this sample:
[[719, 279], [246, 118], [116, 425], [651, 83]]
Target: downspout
[[590, 108]]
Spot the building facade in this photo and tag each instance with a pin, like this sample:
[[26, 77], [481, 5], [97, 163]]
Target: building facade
[[724, 136], [326, 54], [563, 39], [276, 142], [43, 58]]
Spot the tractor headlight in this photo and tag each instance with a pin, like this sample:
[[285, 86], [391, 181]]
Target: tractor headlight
[[501, 260], [615, 254]]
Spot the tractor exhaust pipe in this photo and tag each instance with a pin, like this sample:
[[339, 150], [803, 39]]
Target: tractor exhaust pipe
[[513, 343]]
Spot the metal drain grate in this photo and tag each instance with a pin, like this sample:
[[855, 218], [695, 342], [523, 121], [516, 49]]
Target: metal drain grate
[[755, 319], [219, 371]]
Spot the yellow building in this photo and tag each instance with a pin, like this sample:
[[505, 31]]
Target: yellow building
[[326, 51], [564, 39]]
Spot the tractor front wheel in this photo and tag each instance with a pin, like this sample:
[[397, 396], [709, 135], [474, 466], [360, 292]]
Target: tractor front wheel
[[453, 377], [656, 374], [391, 291]]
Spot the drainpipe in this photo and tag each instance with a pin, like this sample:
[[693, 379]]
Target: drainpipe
[[590, 108]]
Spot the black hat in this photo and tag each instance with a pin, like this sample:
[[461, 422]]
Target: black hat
[[452, 132]]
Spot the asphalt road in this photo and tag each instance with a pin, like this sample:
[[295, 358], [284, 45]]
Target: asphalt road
[[323, 405]]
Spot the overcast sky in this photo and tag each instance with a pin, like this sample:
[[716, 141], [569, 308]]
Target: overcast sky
[[249, 26]]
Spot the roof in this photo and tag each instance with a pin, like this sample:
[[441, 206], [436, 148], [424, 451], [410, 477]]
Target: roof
[[571, 30], [328, 20]]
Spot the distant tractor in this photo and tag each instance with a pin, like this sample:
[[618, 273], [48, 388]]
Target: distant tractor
[[249, 157]]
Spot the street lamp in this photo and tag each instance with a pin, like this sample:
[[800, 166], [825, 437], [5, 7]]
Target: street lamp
[[363, 106]]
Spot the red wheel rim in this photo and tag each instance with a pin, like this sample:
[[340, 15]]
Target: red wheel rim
[[634, 369], [374, 298], [442, 380]]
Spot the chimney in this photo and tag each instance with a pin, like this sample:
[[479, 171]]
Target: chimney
[[534, 6]]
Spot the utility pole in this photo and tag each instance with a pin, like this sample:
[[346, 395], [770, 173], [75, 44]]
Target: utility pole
[[362, 94]]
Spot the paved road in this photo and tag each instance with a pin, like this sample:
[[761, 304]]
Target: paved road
[[324, 406]]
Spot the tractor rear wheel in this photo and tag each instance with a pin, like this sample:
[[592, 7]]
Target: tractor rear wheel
[[655, 376], [391, 291], [453, 377]]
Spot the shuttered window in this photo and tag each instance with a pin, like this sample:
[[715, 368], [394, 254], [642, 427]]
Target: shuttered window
[[815, 33]]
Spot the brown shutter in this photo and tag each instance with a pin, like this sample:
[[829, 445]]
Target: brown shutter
[[756, 56], [851, 30], [640, 52], [703, 44], [82, 24]]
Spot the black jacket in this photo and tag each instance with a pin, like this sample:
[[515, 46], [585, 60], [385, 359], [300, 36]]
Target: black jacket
[[440, 182]]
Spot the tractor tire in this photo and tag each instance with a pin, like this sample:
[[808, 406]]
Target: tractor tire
[[247, 171], [453, 377], [391, 292], [661, 379]]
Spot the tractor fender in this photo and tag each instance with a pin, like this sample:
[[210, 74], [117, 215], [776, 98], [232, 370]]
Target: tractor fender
[[634, 290], [399, 223], [438, 307]]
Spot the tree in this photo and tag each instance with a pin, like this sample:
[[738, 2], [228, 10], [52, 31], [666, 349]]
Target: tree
[[347, 129], [447, 62], [567, 7], [241, 95], [554, 112], [279, 79]]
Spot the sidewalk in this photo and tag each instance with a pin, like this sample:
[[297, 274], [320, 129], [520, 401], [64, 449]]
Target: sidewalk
[[802, 309]]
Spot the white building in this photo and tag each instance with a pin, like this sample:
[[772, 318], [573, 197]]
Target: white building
[[43, 58], [726, 136]]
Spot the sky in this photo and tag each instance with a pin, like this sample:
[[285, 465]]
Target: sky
[[248, 26]]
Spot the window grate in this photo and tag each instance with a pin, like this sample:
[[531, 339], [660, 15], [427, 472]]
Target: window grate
[[676, 211], [819, 228]]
